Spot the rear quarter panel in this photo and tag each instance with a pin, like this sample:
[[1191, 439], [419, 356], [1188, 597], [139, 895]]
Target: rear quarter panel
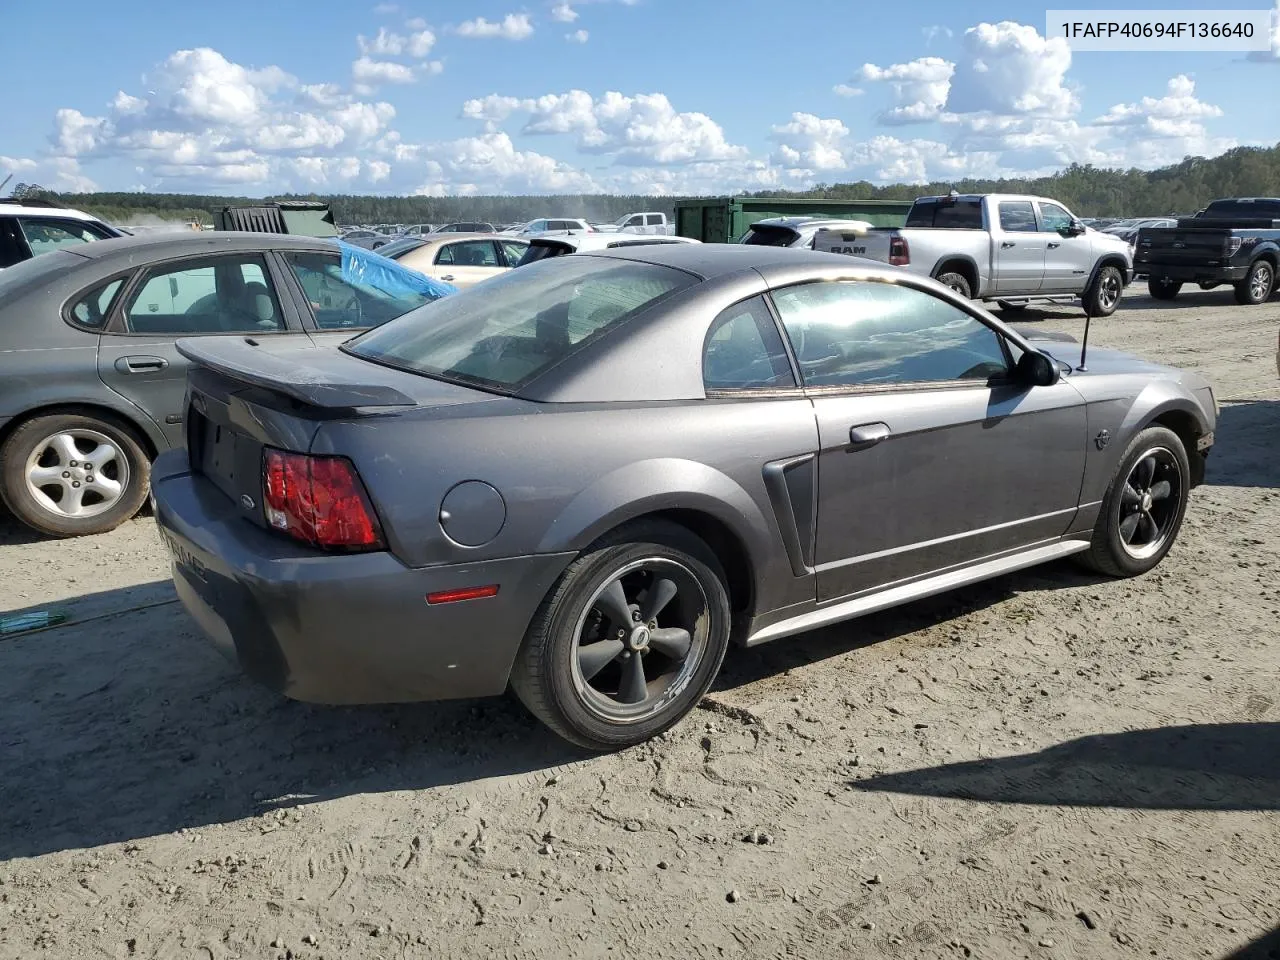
[[568, 473]]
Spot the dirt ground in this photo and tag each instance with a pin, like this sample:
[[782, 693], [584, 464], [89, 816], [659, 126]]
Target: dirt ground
[[1048, 765]]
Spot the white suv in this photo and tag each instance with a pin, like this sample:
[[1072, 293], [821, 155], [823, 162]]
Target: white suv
[[29, 228]]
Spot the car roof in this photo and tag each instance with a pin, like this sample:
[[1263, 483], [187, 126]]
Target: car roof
[[712, 260], [437, 239], [804, 221], [213, 241], [24, 210]]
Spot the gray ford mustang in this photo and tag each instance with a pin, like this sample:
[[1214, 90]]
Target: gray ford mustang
[[584, 479]]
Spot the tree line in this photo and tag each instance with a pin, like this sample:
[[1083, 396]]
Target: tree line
[[1182, 188]]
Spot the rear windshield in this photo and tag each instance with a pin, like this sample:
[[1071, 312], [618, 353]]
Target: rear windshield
[[958, 215], [1248, 209], [771, 236], [507, 331], [398, 248]]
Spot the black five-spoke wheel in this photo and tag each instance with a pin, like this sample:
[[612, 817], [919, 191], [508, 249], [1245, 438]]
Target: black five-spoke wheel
[[628, 640], [1142, 511], [1150, 502]]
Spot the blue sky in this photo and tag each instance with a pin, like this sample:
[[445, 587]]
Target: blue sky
[[648, 96]]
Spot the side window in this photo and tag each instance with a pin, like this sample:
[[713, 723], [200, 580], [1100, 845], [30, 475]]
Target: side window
[[469, 253], [537, 226], [653, 220], [340, 303], [445, 255], [513, 251], [1053, 219], [211, 295], [1017, 216], [44, 236], [636, 221], [743, 350], [871, 333], [92, 308], [13, 245]]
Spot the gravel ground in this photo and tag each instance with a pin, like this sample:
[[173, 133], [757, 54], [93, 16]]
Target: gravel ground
[[1047, 765]]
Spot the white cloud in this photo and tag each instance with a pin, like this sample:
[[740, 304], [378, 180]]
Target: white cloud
[[1272, 55], [490, 163], [844, 90], [563, 13], [387, 43], [416, 23], [368, 73], [919, 88], [935, 32], [641, 130], [1010, 69], [385, 9], [810, 144], [514, 26], [578, 36]]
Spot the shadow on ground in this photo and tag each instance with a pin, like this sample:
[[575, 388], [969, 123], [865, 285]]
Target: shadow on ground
[[1264, 948], [1222, 766], [1245, 451]]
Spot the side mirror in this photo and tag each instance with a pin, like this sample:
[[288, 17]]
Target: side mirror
[[1038, 370], [1073, 229]]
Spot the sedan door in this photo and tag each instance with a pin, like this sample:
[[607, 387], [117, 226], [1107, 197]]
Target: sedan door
[[196, 296], [1018, 248], [467, 262], [1068, 259], [931, 454]]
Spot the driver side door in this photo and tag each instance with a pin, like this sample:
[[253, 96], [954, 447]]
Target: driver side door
[[1067, 259], [933, 455]]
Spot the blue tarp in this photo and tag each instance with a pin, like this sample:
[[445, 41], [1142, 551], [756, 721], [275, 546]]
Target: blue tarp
[[369, 269]]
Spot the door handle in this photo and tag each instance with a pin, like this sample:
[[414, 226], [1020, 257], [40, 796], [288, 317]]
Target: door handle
[[1054, 246], [1007, 244], [868, 435], [447, 277], [141, 364]]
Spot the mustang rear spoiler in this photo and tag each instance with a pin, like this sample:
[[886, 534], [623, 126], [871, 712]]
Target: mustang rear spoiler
[[319, 385]]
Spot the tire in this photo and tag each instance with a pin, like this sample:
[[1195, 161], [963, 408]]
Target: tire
[[1103, 295], [1258, 286], [550, 671], [957, 282], [1007, 307], [50, 443], [1163, 289], [1110, 553]]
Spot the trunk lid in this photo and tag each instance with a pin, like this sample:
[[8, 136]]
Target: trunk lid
[[241, 399], [1199, 245]]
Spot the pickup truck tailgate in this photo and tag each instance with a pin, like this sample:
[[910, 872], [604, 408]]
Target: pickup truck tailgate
[[870, 245], [1181, 245]]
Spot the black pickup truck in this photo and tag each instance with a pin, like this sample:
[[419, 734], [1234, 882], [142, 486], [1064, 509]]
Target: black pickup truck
[[1230, 241]]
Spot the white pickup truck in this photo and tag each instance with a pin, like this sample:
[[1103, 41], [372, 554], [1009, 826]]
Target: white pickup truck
[[646, 224], [1012, 249]]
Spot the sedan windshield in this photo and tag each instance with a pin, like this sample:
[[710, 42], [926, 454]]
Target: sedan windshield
[[398, 248], [505, 333]]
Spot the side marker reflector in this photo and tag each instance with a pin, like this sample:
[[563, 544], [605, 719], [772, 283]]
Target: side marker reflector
[[466, 593]]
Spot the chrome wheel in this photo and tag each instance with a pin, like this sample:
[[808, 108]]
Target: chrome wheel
[[640, 640], [77, 474], [1149, 503], [1109, 290], [1260, 282]]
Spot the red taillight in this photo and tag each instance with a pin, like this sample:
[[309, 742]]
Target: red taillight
[[899, 252], [319, 500]]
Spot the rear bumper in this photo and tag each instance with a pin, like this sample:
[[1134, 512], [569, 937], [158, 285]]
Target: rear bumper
[[1191, 273], [340, 629]]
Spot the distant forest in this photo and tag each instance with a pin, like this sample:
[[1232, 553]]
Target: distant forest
[[1182, 188]]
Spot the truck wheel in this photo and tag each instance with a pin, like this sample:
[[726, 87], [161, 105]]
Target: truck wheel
[[956, 282], [1103, 295], [1163, 289], [1258, 285]]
